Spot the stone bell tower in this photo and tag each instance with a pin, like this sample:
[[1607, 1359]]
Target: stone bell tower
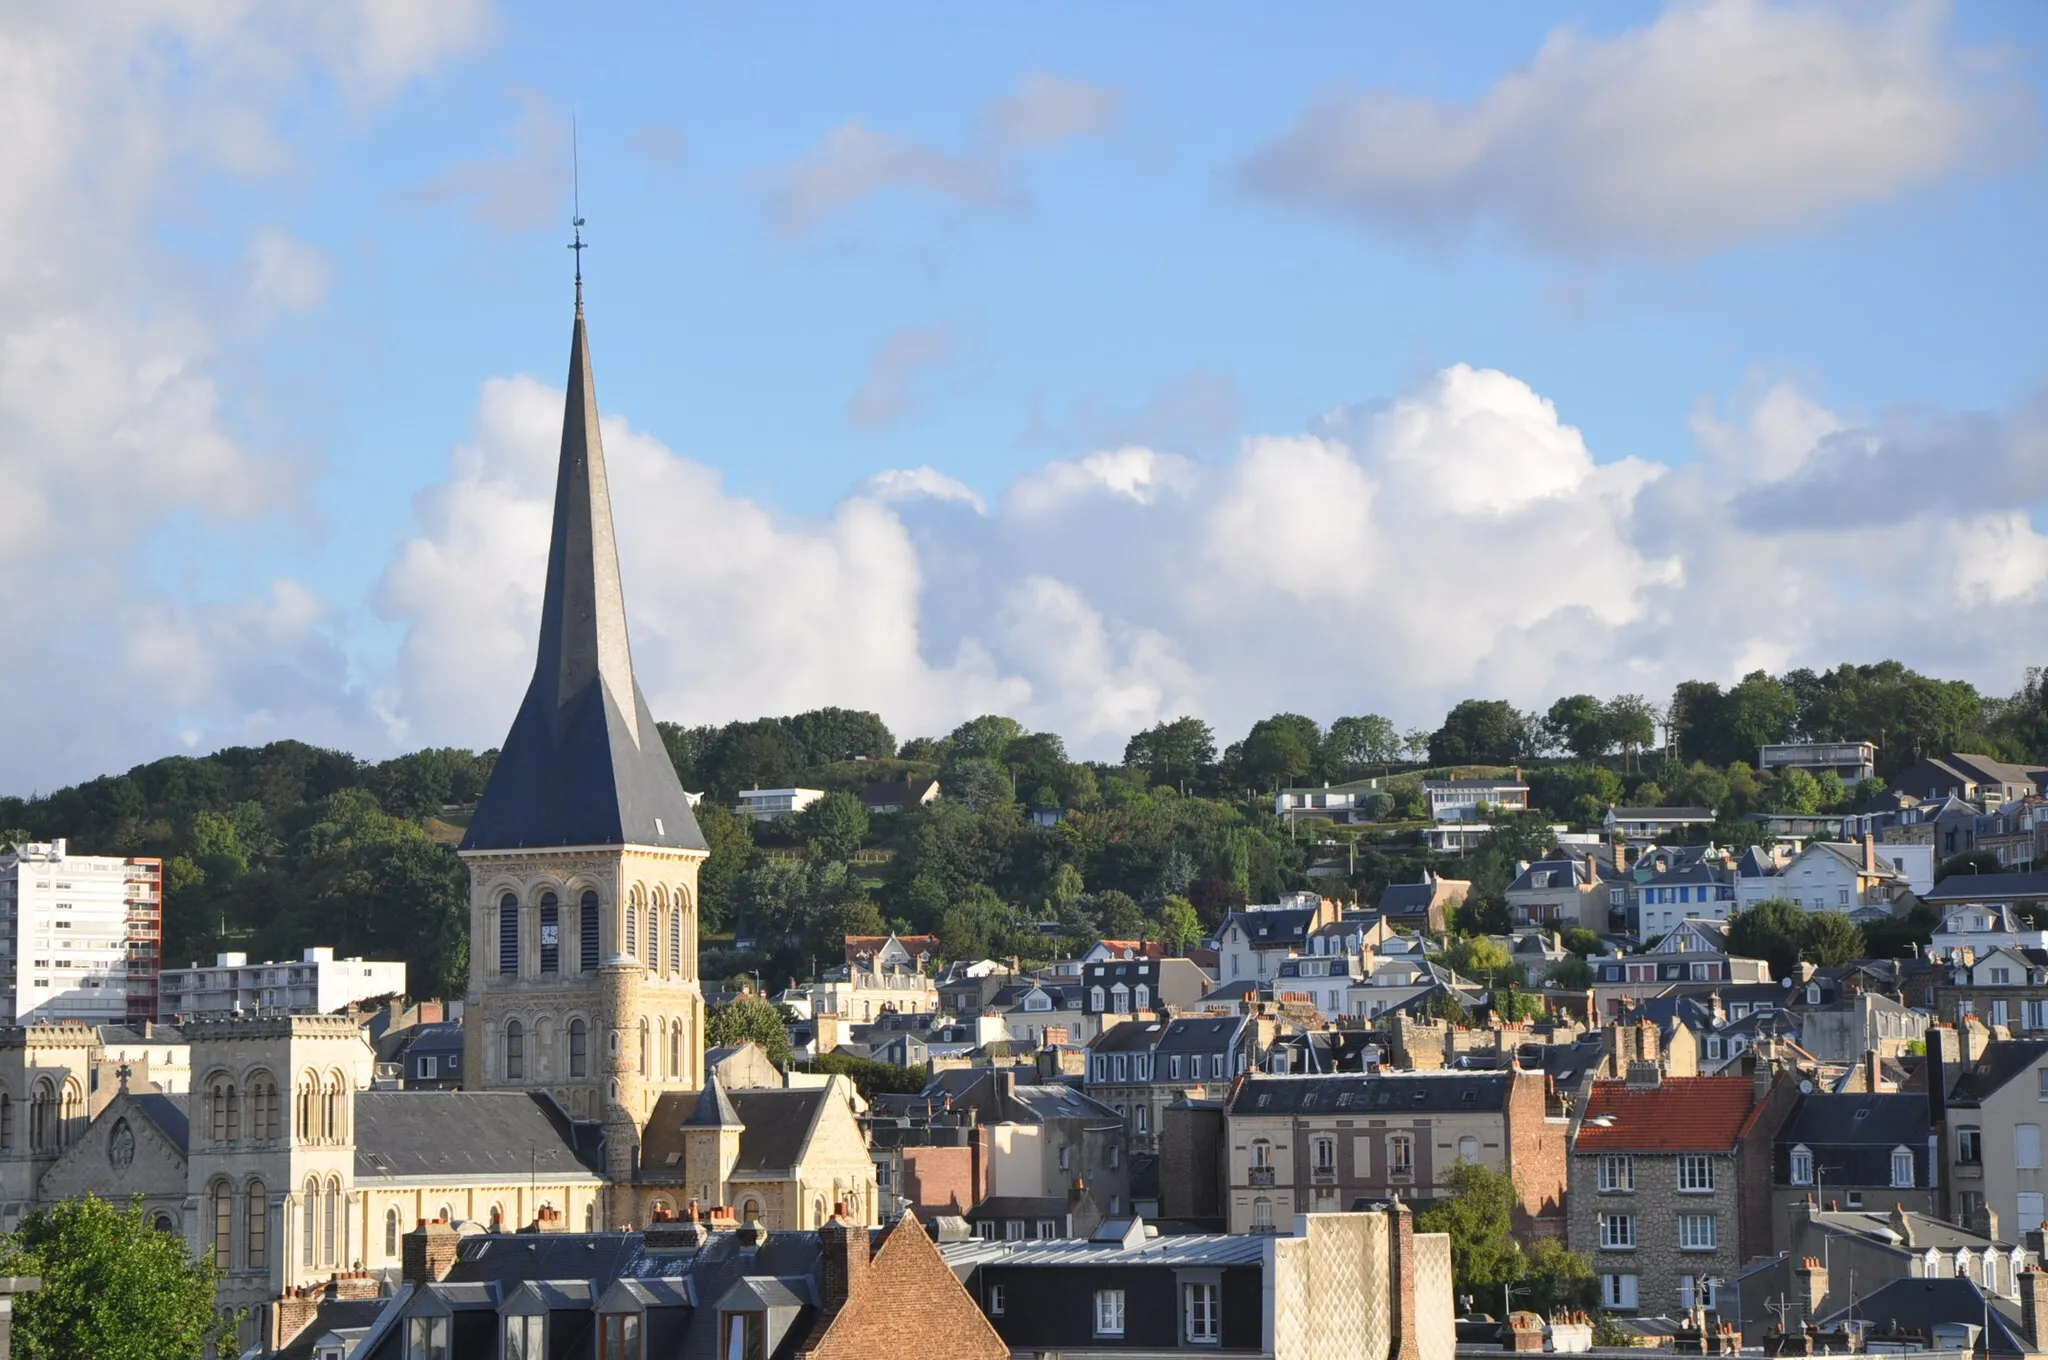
[[583, 853]]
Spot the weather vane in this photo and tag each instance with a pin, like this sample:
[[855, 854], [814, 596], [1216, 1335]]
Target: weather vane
[[576, 209]]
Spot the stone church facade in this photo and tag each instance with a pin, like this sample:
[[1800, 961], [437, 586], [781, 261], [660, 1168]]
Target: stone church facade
[[588, 1104]]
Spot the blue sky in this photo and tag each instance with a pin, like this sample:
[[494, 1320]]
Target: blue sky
[[1180, 335]]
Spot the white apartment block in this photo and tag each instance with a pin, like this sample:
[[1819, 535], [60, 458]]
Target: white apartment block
[[80, 935], [765, 805], [318, 984]]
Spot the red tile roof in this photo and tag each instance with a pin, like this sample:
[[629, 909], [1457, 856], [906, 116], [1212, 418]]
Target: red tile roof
[[1683, 1114], [1136, 949]]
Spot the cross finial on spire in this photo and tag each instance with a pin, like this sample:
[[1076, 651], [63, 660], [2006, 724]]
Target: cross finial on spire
[[576, 210]]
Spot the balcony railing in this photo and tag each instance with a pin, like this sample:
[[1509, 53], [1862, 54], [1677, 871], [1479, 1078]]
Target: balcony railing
[[1261, 1177]]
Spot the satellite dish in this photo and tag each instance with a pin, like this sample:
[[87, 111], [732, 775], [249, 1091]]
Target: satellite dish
[[1806, 1088], [1785, 982]]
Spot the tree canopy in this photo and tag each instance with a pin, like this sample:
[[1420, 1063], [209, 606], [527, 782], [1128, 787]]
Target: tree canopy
[[114, 1288]]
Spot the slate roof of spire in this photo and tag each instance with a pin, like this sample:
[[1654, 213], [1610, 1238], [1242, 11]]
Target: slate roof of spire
[[583, 763]]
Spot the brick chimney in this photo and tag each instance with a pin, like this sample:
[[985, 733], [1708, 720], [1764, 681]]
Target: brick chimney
[[295, 1309], [1643, 1075], [427, 1253], [1984, 1221], [1809, 1292], [2033, 1284], [1401, 1270], [845, 1245]]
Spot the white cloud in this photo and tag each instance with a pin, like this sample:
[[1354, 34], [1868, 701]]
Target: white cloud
[[524, 187], [115, 424], [855, 162], [1721, 120], [286, 272], [890, 389], [1459, 540], [1049, 109]]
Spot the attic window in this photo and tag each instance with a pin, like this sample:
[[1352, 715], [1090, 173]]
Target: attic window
[[1264, 1100], [1421, 1095], [1343, 1100], [1469, 1095]]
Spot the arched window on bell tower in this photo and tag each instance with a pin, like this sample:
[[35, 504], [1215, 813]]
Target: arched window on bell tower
[[508, 936], [589, 926]]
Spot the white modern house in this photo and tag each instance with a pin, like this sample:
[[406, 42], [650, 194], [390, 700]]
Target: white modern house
[[1980, 929], [765, 805], [1853, 761], [1459, 800], [316, 984], [1332, 802]]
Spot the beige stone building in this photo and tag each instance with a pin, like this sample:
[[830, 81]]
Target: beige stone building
[[587, 1105]]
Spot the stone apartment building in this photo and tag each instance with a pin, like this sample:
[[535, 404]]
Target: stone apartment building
[[1141, 1067], [1317, 1144], [1670, 1183], [1560, 894]]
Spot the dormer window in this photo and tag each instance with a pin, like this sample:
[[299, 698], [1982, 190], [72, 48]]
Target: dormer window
[[426, 1338], [618, 1337], [524, 1337], [741, 1336], [1802, 1166]]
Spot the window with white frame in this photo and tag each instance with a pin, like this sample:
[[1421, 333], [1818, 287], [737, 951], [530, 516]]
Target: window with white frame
[[1401, 1155], [1802, 1165], [2026, 1147], [1618, 1291], [1902, 1168], [524, 1338], [1262, 1154], [1262, 1214], [1109, 1312], [1696, 1232], [1323, 1155], [1617, 1232], [1695, 1174], [1617, 1172], [1696, 1289], [1202, 1313], [1013, 1230], [1048, 1229], [426, 1338], [996, 1300]]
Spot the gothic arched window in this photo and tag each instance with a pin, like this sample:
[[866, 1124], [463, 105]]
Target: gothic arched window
[[579, 1048], [256, 1233], [508, 936], [550, 934], [675, 937], [223, 1225], [391, 1231], [515, 1051], [587, 945]]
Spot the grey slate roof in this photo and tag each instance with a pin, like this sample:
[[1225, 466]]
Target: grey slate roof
[[470, 1133], [583, 763], [2003, 1060], [1987, 888], [1399, 1092], [713, 1110], [1918, 1305], [778, 1125], [168, 1114]]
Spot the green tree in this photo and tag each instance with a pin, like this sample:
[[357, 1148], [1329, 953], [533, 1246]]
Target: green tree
[[1578, 723], [1483, 959], [1356, 744], [731, 838], [1478, 1214], [1573, 972], [1480, 731], [1279, 750], [1066, 884], [1558, 1279], [1773, 930], [986, 737], [1831, 939], [978, 783], [1117, 916], [1630, 722], [114, 1288], [871, 1078], [749, 1019], [834, 826], [1172, 749], [1796, 792], [1180, 929]]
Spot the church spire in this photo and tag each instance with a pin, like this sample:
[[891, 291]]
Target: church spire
[[583, 763]]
